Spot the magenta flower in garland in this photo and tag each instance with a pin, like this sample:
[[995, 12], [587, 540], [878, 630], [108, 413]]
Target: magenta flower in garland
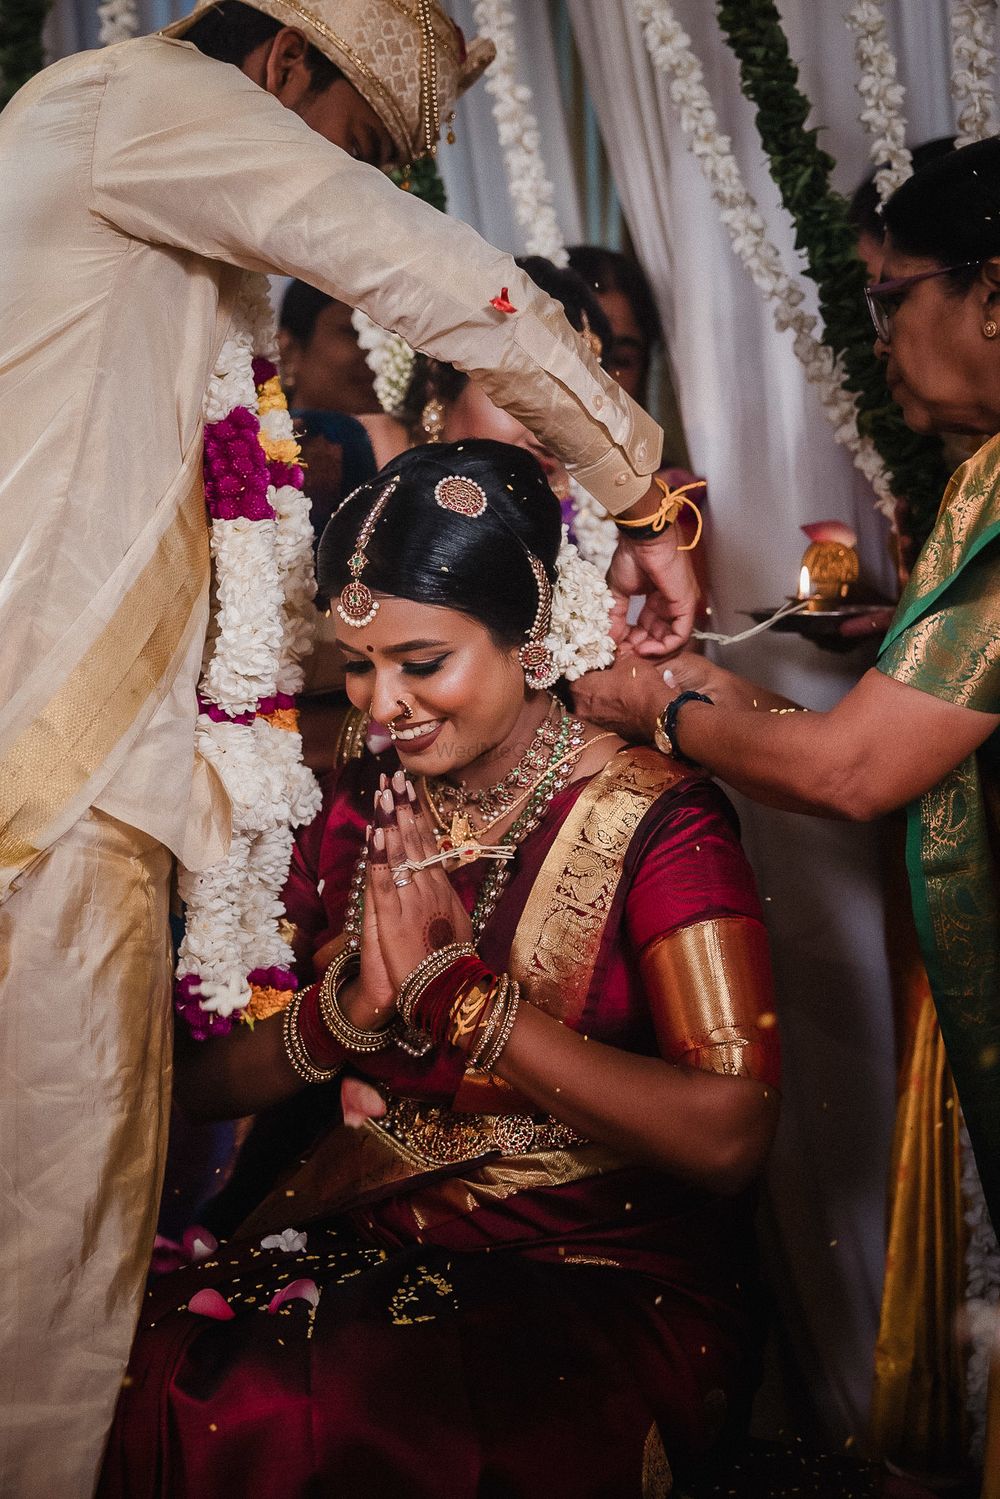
[[234, 961]]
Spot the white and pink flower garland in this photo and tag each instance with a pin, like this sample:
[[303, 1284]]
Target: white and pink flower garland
[[234, 960]]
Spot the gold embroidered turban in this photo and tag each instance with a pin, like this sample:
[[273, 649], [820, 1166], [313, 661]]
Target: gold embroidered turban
[[406, 57]]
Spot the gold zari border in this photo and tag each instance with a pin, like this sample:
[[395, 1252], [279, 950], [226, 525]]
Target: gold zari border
[[559, 935], [56, 755]]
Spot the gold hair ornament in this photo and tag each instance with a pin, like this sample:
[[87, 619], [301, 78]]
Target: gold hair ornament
[[357, 605], [461, 496]]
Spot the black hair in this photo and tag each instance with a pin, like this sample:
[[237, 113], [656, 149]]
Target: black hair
[[949, 212], [579, 303], [230, 31], [421, 551], [300, 307], [865, 209], [609, 270]]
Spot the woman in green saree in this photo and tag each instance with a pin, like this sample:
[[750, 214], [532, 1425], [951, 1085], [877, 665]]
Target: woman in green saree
[[918, 731]]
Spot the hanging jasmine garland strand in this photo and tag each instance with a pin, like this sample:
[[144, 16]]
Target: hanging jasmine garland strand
[[530, 185], [670, 49], [916, 465], [882, 96], [389, 357], [118, 21], [974, 55]]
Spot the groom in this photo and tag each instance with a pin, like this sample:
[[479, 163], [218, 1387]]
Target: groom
[[137, 183]]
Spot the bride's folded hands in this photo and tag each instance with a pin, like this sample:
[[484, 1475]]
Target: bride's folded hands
[[416, 912]]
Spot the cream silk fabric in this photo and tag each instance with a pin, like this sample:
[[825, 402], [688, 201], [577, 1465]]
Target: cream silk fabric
[[84, 1059], [133, 180]]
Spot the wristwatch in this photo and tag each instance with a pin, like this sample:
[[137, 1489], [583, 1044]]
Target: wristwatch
[[665, 731]]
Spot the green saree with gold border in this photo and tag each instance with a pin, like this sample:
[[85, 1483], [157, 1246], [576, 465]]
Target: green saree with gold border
[[945, 640]]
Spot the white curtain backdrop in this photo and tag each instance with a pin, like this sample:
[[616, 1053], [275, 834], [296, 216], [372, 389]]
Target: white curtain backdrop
[[473, 169], [757, 432]]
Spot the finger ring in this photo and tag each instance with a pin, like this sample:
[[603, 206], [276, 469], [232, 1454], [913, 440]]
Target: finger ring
[[400, 875], [401, 880]]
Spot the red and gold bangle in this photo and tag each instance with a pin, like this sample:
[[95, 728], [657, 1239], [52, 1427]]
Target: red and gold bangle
[[324, 1049], [444, 991]]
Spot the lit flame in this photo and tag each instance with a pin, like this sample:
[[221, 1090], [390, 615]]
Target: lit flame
[[805, 584]]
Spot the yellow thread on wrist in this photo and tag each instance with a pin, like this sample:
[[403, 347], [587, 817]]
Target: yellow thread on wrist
[[673, 502]]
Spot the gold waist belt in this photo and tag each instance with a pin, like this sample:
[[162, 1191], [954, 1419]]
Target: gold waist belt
[[442, 1137]]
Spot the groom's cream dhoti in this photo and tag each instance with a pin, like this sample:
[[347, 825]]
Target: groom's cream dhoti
[[138, 183], [84, 1095]]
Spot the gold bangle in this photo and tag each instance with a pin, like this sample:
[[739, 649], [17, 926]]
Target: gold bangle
[[484, 1038], [351, 1037], [426, 971], [295, 1049], [488, 1063]]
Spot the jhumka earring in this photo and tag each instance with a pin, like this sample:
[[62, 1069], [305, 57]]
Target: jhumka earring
[[357, 605], [432, 419], [537, 661]]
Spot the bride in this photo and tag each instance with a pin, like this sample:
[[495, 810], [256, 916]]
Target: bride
[[535, 980]]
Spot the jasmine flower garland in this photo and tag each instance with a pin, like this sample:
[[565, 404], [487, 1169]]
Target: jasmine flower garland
[[669, 47], [389, 357], [118, 20], [579, 637], [973, 81], [530, 186], [916, 465], [882, 95]]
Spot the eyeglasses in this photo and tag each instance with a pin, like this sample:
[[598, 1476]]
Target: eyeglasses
[[883, 297]]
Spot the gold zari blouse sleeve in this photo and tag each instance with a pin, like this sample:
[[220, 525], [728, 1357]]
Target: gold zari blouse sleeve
[[711, 996]]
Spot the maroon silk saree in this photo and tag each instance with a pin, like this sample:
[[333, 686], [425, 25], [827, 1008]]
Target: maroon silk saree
[[503, 1308]]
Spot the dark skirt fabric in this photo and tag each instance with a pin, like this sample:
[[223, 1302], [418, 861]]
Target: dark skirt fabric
[[420, 1373]]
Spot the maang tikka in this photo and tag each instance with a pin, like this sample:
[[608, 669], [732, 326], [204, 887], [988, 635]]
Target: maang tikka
[[357, 605]]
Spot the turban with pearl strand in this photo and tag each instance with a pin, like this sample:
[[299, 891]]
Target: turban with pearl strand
[[407, 58]]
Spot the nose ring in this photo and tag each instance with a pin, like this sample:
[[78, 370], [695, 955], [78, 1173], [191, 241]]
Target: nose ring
[[405, 711]]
